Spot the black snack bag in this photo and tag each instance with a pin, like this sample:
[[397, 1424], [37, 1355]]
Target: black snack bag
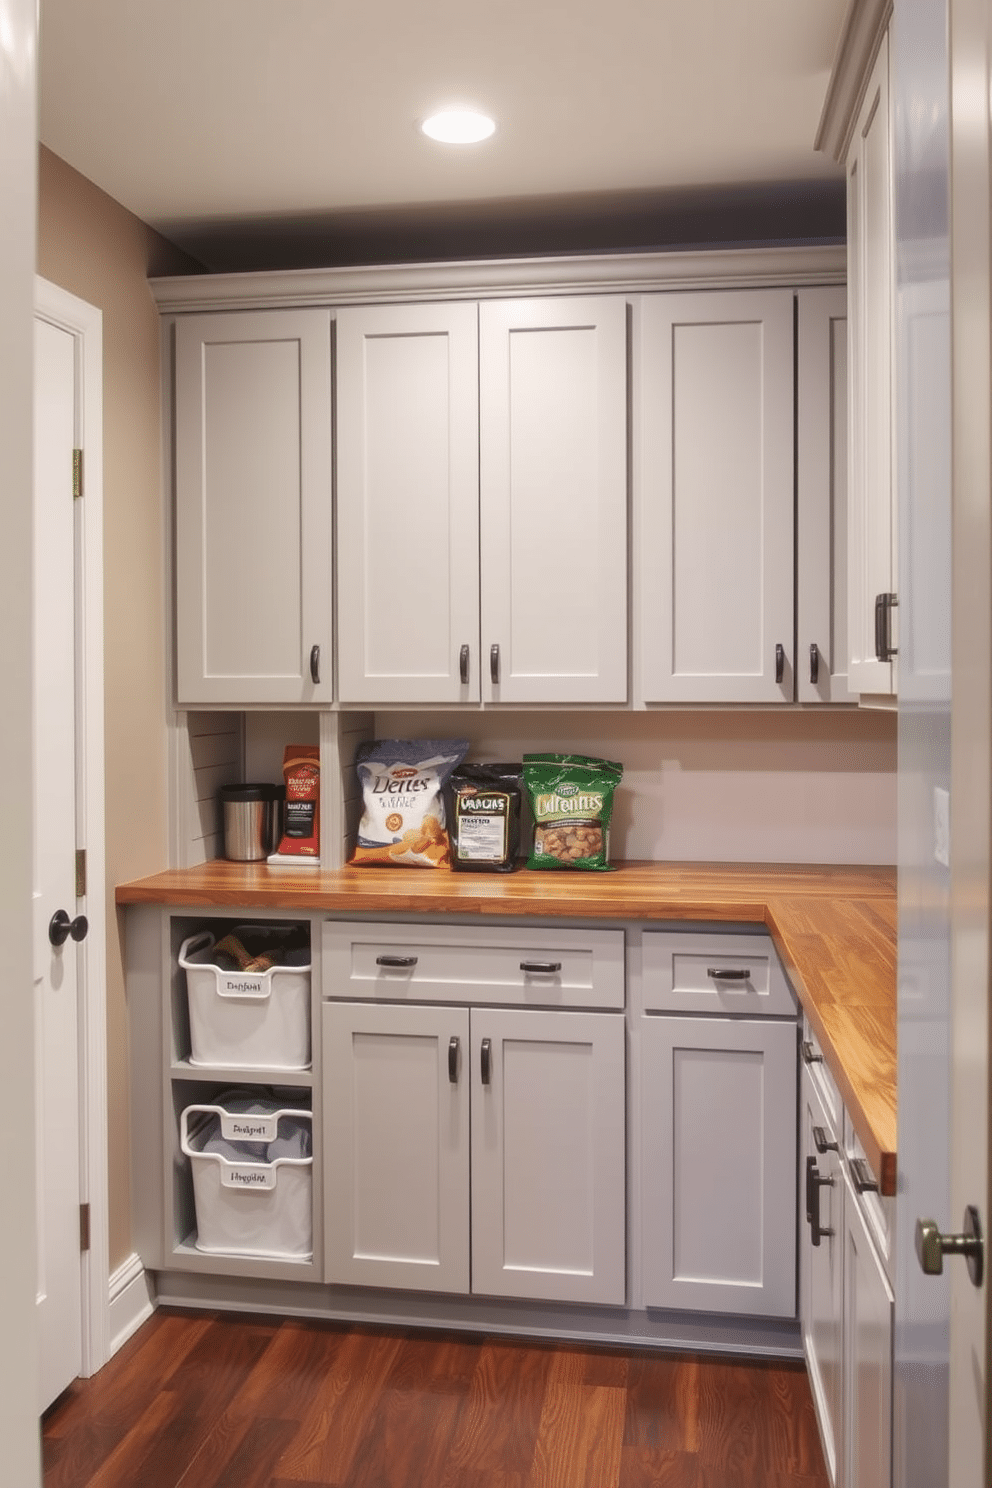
[[482, 810]]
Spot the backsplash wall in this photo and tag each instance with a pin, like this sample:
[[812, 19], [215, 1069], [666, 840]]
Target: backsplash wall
[[810, 786]]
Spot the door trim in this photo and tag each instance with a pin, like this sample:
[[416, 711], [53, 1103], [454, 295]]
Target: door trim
[[84, 323]]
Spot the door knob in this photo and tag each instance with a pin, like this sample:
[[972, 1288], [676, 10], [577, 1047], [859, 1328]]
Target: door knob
[[932, 1246], [60, 927]]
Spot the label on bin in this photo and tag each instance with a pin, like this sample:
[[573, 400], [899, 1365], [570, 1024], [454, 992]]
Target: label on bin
[[248, 1128], [247, 1175], [243, 986]]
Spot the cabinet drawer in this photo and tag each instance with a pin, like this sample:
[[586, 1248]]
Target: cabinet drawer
[[714, 974], [823, 1080], [877, 1212], [474, 964]]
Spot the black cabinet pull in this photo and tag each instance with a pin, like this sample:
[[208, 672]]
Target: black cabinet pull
[[735, 974], [779, 663], [403, 962], [810, 1056], [884, 605], [862, 1176], [822, 1142], [545, 968], [494, 664], [453, 1047], [463, 665], [487, 1061], [813, 1185], [814, 663], [315, 665]]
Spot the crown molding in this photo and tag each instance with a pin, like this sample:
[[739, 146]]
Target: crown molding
[[744, 268], [860, 38]]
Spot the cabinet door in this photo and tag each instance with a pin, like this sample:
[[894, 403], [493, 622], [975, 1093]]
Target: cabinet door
[[821, 1302], [868, 1312], [719, 1164], [548, 1155], [714, 503], [871, 509], [821, 507], [396, 1113], [408, 503], [253, 507], [553, 379]]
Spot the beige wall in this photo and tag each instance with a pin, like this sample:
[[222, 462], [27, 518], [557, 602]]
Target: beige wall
[[733, 785], [92, 247]]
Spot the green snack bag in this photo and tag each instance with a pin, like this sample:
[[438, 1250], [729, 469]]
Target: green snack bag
[[571, 801]]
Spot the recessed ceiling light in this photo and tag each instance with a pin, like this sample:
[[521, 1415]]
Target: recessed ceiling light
[[458, 127]]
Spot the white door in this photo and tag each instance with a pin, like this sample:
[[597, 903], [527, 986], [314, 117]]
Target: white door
[[396, 1177], [548, 1189], [553, 484], [253, 507], [714, 482], [407, 391], [55, 968]]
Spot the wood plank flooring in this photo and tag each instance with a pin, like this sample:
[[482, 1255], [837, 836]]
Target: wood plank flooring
[[207, 1400]]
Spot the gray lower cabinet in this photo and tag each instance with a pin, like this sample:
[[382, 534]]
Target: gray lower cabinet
[[718, 1124], [719, 1164], [846, 1297], [821, 1273], [475, 1149]]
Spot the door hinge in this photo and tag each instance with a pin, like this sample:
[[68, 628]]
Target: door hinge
[[80, 873], [84, 1227], [77, 474]]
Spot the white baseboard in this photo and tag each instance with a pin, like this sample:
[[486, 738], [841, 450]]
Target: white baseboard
[[132, 1301]]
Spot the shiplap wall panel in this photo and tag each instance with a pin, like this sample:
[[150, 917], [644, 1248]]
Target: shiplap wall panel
[[216, 755]]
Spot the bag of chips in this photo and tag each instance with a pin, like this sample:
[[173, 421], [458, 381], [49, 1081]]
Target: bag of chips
[[403, 810], [482, 810], [571, 801]]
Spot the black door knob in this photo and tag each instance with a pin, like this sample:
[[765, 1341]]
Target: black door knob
[[60, 927]]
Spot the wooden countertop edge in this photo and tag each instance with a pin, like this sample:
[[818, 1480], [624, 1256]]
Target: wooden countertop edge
[[648, 893], [879, 1147]]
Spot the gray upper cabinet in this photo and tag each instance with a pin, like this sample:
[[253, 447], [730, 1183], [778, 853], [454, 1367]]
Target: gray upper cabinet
[[715, 509], [482, 501], [253, 479], [872, 511], [821, 497]]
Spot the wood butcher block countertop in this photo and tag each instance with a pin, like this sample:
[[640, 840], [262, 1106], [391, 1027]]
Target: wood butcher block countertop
[[834, 929]]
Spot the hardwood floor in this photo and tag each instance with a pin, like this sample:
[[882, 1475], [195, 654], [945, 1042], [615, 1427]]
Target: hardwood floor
[[206, 1400]]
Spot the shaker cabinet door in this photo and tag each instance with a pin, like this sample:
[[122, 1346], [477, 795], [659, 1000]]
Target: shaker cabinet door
[[873, 565], [821, 492], [821, 1296], [553, 476], [408, 503], [253, 507], [714, 534], [719, 1164], [548, 1189], [396, 1111]]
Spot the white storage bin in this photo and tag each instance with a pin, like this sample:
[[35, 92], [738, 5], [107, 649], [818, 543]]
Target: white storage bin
[[252, 1164], [250, 1019]]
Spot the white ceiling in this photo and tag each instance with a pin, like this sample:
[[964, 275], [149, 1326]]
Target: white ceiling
[[200, 114]]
